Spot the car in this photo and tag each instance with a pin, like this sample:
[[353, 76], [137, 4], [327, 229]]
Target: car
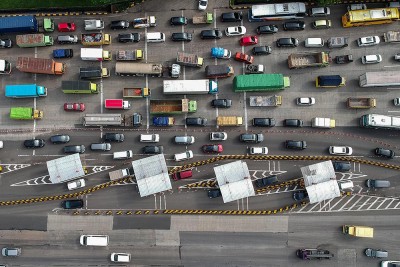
[[390, 263], [320, 11], [243, 58], [66, 27], [60, 139], [74, 107], [63, 53], [221, 103], [294, 25], [356, 7], [203, 4], [178, 21], [74, 149], [234, 31], [264, 122], [196, 121], [292, 144], [100, 146], [184, 139], [72, 204], [11, 252], [120, 257], [322, 24], [114, 137], [181, 36], [305, 101], [5, 43], [396, 101], [214, 193], [340, 150], [397, 57], [218, 136], [1, 144], [76, 184], [153, 150], [368, 41], [251, 138], [293, 123], [211, 34], [261, 50], [182, 175], [377, 183], [266, 181], [300, 195], [287, 42], [212, 148], [119, 24], [129, 37], [382, 152], [267, 29], [371, 59], [34, 143], [232, 17], [376, 253], [248, 40], [258, 150], [341, 166]]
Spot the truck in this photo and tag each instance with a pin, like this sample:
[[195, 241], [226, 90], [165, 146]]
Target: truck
[[361, 102], [22, 24], [145, 22], [116, 104], [139, 69], [229, 121], [260, 82], [378, 121], [191, 60], [220, 52], [129, 55], [48, 25], [344, 59], [25, 90], [303, 60], [323, 123], [177, 106], [254, 69], [206, 18], [381, 78], [95, 39], [358, 231], [392, 36], [93, 24], [91, 73], [24, 113], [5, 66], [313, 253], [95, 54], [134, 120], [40, 65], [265, 101], [118, 174], [330, 81], [63, 53], [190, 87], [163, 121], [34, 40], [79, 87], [219, 71], [136, 92]]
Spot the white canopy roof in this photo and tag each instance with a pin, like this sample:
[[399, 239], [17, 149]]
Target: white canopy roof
[[323, 191], [65, 168]]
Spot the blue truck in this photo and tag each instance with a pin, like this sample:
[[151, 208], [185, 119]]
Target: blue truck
[[25, 90], [219, 52], [20, 24], [63, 53], [163, 121]]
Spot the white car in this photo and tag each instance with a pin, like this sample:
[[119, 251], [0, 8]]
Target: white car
[[340, 150], [203, 4], [305, 101], [76, 184], [1, 144], [390, 263], [234, 31], [121, 257], [396, 101], [368, 41], [371, 59], [258, 150], [218, 136]]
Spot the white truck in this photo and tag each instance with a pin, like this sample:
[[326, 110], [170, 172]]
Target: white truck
[[94, 24], [145, 22], [118, 174], [5, 67], [95, 54], [323, 123], [190, 87]]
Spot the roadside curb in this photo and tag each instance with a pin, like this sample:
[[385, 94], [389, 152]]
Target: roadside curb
[[59, 14]]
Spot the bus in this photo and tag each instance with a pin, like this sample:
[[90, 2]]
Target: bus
[[295, 10], [366, 17], [377, 121], [138, 69]]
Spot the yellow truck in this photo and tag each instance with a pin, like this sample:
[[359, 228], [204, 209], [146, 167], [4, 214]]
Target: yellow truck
[[358, 231], [229, 121]]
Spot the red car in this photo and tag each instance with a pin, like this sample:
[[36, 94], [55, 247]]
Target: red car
[[212, 148], [66, 27], [248, 40], [74, 106], [244, 58]]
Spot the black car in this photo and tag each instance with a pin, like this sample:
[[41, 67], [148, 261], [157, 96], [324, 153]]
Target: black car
[[264, 122], [60, 139], [211, 34], [232, 17], [214, 193], [181, 36], [114, 137], [72, 204], [300, 195], [34, 143], [153, 150], [287, 42], [221, 103], [266, 181], [382, 152], [251, 138], [267, 29], [293, 123], [294, 25], [261, 50], [74, 149], [340, 166], [196, 121], [291, 144], [376, 253], [5, 43], [178, 21], [119, 24], [128, 37]]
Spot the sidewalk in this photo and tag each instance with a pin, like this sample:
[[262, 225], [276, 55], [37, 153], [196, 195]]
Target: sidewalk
[[173, 5]]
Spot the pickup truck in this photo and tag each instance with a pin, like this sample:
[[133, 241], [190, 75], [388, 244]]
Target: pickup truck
[[254, 69], [344, 59], [94, 24], [265, 101], [244, 58]]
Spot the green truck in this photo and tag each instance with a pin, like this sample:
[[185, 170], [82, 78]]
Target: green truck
[[23, 113], [260, 82], [34, 40], [79, 87]]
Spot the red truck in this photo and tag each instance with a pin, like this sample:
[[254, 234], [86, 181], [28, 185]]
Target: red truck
[[116, 104]]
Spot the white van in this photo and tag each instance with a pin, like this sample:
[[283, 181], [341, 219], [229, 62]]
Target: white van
[[149, 138], [314, 42], [183, 156], [121, 257], [94, 240], [155, 37], [346, 185], [123, 154]]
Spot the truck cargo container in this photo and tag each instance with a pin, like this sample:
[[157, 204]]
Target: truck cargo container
[[381, 78], [265, 101], [229, 121], [118, 174], [191, 60], [219, 71], [40, 65], [95, 39], [377, 121], [361, 102], [91, 73], [34, 40], [95, 54], [310, 254], [392, 36], [22, 113], [139, 69], [136, 92], [177, 106], [116, 104], [25, 90], [358, 231], [145, 22], [63, 53], [260, 82], [330, 81], [190, 87], [5, 66], [93, 24], [129, 55], [134, 120], [303, 60], [323, 123], [163, 121], [21, 24], [203, 19], [219, 52], [79, 87]]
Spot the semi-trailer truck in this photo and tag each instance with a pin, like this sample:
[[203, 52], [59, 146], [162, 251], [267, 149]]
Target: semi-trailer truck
[[95, 39], [25, 90], [40, 65], [95, 54], [79, 87], [5, 66], [219, 71], [134, 120], [116, 104], [24, 113], [91, 73], [190, 87], [260, 82], [34, 40], [22, 24], [177, 106]]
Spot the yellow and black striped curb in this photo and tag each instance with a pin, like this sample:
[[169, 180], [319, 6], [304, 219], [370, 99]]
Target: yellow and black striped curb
[[298, 181], [202, 184]]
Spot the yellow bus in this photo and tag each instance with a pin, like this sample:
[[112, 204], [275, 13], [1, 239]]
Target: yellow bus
[[370, 17]]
